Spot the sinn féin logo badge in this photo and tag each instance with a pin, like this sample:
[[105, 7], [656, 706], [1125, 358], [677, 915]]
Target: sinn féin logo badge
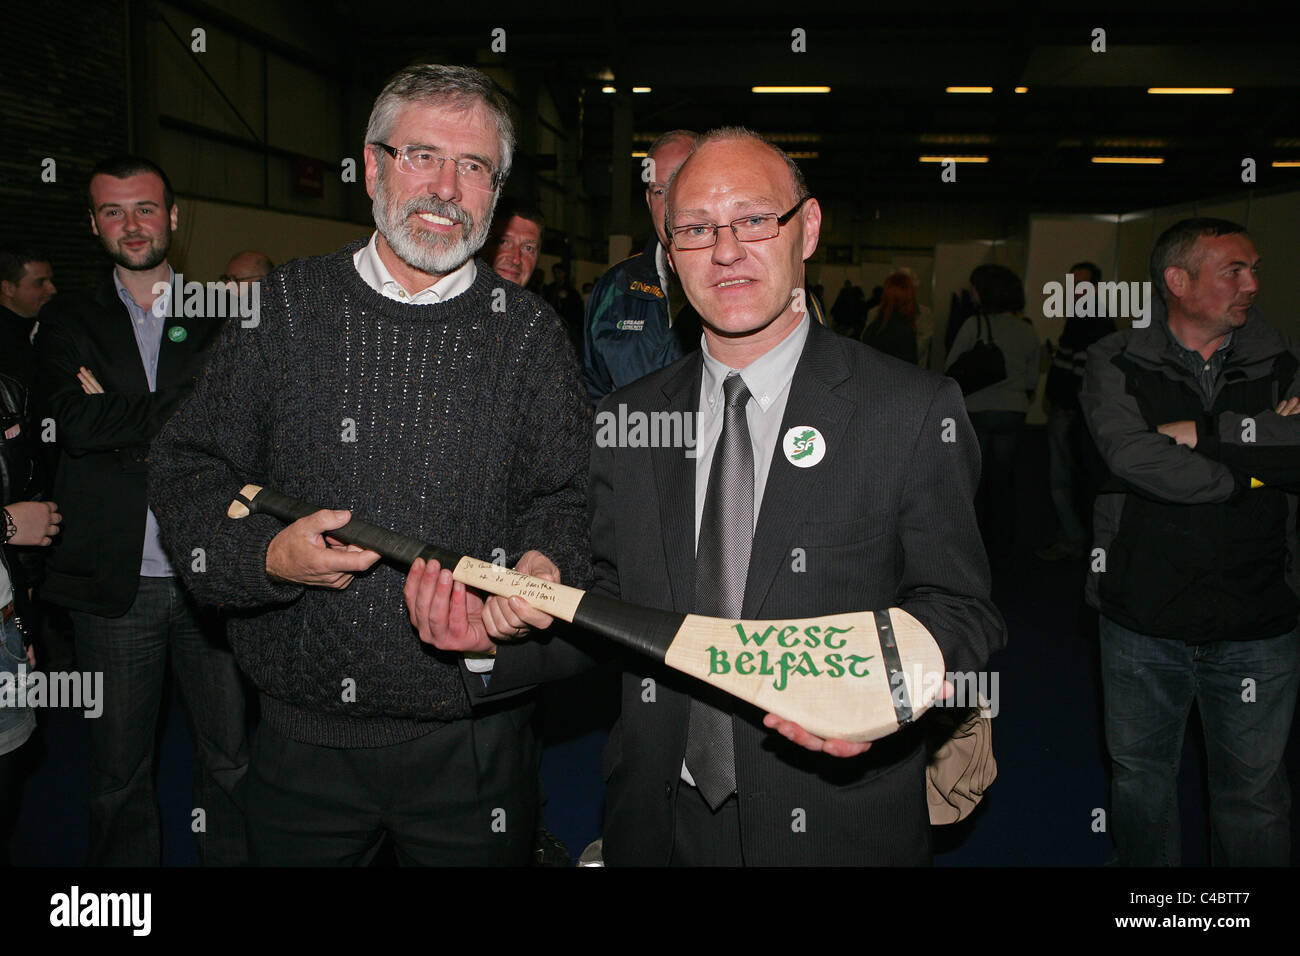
[[804, 446]]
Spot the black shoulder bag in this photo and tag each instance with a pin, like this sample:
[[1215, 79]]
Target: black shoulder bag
[[982, 364]]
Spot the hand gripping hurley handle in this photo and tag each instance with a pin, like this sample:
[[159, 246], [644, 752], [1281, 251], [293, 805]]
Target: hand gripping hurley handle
[[253, 499], [643, 629], [857, 676]]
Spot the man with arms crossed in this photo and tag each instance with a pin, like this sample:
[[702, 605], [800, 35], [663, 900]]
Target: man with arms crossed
[[1192, 414], [113, 365]]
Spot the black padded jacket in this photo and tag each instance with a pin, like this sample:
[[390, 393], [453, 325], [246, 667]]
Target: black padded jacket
[[1194, 544]]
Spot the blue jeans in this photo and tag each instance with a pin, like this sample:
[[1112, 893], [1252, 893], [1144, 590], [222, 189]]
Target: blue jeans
[[1246, 694], [131, 651], [16, 723]]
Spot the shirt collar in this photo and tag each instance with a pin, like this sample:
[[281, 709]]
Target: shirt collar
[[160, 304], [765, 377], [376, 275], [1183, 349]]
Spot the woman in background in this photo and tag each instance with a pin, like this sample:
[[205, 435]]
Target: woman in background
[[998, 411], [891, 326]]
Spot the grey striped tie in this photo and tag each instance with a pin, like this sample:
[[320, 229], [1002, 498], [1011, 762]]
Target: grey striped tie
[[721, 567]]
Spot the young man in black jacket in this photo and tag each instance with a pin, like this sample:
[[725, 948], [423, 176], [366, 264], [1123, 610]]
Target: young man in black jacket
[[1192, 415], [113, 364], [26, 284]]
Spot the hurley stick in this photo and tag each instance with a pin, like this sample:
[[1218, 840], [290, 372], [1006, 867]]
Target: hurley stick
[[857, 676]]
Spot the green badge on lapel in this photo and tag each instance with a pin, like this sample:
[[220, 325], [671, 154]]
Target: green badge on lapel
[[177, 333], [804, 446]]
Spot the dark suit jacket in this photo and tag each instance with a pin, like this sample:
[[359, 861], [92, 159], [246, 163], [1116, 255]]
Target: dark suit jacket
[[17, 357], [885, 519], [104, 439]]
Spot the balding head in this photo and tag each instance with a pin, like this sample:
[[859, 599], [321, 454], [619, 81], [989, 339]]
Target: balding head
[[749, 293], [248, 267], [665, 154], [732, 134]]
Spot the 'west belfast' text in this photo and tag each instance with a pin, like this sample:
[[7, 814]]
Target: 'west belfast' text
[[781, 665]]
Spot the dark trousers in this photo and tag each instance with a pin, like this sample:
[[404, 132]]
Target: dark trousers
[[995, 502], [131, 651], [703, 837], [13, 770], [465, 794], [1063, 474]]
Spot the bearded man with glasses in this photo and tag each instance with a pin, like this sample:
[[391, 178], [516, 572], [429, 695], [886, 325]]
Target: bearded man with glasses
[[407, 381]]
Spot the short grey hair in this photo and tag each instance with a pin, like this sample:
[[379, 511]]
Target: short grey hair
[[431, 83], [673, 136], [739, 132], [1177, 247]]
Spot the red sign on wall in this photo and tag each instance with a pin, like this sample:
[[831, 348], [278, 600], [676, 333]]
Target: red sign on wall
[[309, 177]]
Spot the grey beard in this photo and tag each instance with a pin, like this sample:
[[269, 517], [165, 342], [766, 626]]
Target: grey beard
[[426, 251]]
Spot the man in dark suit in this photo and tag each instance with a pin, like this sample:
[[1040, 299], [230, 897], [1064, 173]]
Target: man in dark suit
[[113, 365], [26, 284], [879, 514]]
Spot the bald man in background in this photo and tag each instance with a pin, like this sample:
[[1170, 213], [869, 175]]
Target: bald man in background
[[248, 267], [635, 323]]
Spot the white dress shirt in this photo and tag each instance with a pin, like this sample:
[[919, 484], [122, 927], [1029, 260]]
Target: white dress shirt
[[376, 275], [768, 379]]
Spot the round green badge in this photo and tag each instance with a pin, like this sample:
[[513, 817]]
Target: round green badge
[[177, 333]]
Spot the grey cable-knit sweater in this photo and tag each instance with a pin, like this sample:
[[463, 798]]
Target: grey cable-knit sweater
[[460, 425]]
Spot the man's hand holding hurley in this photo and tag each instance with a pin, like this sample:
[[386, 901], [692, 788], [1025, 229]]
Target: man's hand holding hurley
[[452, 617], [304, 554]]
